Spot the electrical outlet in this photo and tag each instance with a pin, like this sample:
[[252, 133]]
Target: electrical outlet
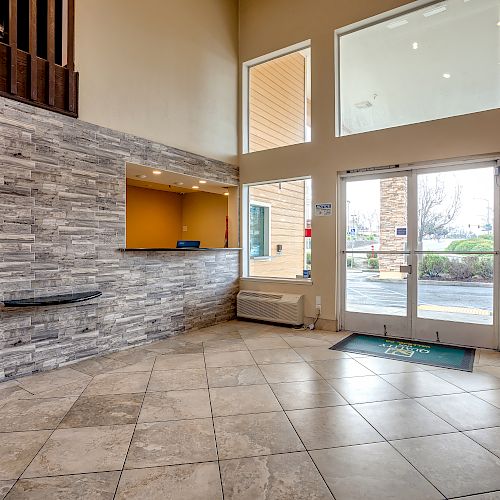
[[318, 304]]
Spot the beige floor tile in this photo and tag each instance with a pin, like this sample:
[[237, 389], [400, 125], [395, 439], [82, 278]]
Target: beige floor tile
[[402, 419], [175, 482], [289, 372], [365, 389], [172, 443], [469, 381], [80, 450], [331, 427], [117, 383], [242, 436], [5, 486], [73, 389], [307, 341], [319, 353], [420, 384], [382, 366], [113, 409], [144, 365], [133, 355], [338, 368], [485, 496], [290, 476], [372, 471], [453, 463], [307, 394], [17, 450], [489, 438], [33, 414], [175, 405], [221, 359], [177, 380], [95, 486], [176, 346], [235, 375], [491, 370], [492, 396], [463, 411], [243, 399], [269, 356], [95, 366], [487, 357], [224, 345], [266, 343], [46, 381], [11, 390], [179, 362]]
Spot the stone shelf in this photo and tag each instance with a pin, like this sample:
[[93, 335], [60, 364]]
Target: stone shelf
[[53, 300]]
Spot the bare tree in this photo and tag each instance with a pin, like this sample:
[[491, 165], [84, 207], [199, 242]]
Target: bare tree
[[438, 206]]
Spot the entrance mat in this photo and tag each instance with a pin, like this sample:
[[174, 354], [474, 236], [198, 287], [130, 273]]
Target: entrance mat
[[443, 356]]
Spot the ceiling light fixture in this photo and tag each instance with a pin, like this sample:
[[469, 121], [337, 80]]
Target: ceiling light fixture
[[179, 183], [498, 23], [195, 187], [436, 10], [446, 75], [157, 172], [202, 182], [141, 176], [226, 194], [415, 45], [397, 24]]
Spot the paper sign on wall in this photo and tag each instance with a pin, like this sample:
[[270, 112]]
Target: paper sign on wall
[[323, 209]]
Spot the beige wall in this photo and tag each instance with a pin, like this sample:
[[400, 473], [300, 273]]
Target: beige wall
[[204, 217], [266, 26], [165, 70]]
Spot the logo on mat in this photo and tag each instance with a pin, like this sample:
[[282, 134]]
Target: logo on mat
[[400, 351]]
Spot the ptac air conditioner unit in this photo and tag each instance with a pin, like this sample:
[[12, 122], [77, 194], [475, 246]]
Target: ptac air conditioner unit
[[274, 307]]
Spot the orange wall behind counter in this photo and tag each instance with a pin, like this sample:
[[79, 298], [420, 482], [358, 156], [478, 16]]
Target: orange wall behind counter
[[154, 218]]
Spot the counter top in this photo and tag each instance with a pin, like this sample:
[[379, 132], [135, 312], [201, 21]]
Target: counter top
[[174, 249]]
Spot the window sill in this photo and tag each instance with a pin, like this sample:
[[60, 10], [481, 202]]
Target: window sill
[[288, 281]]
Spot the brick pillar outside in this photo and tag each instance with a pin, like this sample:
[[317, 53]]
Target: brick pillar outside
[[393, 211]]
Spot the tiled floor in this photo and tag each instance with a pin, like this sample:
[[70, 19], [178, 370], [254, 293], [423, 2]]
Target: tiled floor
[[249, 411]]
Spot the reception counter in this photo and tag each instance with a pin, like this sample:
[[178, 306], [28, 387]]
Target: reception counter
[[187, 249]]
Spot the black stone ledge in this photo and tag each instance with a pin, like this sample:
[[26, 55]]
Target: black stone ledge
[[53, 300], [176, 249]]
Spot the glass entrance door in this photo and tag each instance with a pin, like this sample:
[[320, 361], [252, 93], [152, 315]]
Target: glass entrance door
[[419, 254], [375, 255]]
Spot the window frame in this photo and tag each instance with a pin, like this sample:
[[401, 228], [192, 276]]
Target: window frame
[[245, 87], [245, 229]]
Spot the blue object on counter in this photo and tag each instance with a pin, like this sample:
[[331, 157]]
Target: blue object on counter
[[188, 244]]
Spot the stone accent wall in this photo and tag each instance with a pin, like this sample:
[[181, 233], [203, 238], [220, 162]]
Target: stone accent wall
[[62, 220], [393, 214]]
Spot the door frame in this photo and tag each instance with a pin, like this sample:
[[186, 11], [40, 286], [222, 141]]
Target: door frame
[[491, 340]]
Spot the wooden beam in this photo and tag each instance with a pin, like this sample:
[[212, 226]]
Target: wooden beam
[[51, 50], [33, 54], [71, 56], [13, 46]]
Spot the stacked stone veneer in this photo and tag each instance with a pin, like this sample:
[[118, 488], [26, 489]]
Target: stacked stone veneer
[[62, 220], [393, 214]]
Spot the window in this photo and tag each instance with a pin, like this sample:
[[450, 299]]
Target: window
[[259, 230], [277, 93], [278, 222], [437, 61]]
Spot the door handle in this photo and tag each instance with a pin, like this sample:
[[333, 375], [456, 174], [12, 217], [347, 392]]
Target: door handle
[[405, 269]]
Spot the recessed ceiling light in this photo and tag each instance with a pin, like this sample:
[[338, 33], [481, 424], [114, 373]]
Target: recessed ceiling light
[[202, 182], [141, 176], [436, 10], [498, 23], [415, 45], [196, 187], [397, 24], [157, 172], [446, 75], [226, 194], [179, 183]]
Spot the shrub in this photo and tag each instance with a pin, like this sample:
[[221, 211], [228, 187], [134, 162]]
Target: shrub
[[351, 262], [433, 266], [482, 244], [372, 263]]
